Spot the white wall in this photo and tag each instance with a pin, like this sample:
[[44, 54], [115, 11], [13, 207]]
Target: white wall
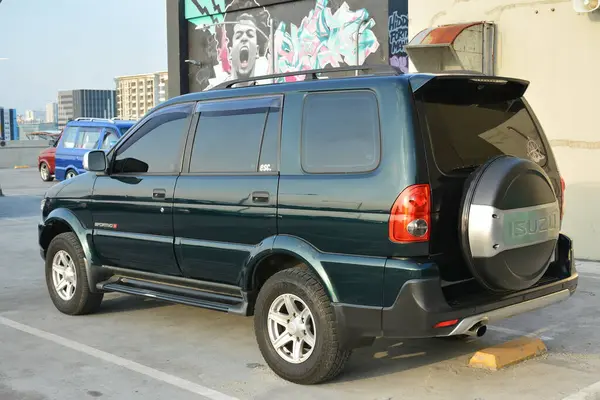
[[559, 52]]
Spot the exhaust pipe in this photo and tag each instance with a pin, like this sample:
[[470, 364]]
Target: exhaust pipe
[[478, 330]]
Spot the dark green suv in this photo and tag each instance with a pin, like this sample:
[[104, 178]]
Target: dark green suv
[[333, 210]]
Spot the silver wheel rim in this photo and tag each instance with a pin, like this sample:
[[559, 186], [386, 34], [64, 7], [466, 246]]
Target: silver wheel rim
[[70, 174], [291, 328], [44, 171], [64, 275]]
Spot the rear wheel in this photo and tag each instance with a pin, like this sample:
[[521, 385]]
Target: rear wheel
[[70, 174], [296, 329], [66, 277], [45, 173]]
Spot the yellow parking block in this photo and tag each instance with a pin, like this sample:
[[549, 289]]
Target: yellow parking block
[[21, 166], [508, 353]]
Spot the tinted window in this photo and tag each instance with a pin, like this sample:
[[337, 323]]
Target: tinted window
[[88, 138], [110, 138], [478, 122], [69, 137], [340, 132], [230, 136], [269, 153], [156, 146]]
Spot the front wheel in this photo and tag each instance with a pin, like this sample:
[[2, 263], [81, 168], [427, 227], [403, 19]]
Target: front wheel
[[70, 174], [296, 329], [66, 277], [45, 173]]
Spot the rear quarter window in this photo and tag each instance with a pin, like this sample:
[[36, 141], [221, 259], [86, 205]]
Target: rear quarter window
[[340, 132]]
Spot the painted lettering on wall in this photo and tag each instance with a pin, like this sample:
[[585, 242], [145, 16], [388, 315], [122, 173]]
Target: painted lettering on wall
[[398, 33], [249, 42]]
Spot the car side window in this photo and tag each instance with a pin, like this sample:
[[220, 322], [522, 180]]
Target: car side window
[[156, 147], [340, 132], [88, 138], [69, 138], [110, 137], [237, 136]]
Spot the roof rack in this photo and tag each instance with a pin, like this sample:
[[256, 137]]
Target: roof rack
[[313, 74], [95, 119]]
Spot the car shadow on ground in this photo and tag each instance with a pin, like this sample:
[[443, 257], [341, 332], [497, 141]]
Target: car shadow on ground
[[391, 356], [120, 303]]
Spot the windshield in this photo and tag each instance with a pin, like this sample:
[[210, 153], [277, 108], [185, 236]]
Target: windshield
[[473, 125]]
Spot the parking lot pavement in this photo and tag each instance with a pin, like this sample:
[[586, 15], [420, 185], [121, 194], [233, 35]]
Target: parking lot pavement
[[145, 349]]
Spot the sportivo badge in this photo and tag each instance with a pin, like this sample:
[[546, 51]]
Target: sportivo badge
[[104, 225]]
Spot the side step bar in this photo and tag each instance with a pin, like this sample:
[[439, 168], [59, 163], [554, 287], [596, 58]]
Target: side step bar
[[190, 296]]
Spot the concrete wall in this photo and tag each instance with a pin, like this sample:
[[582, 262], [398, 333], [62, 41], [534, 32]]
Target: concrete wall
[[21, 153], [304, 34], [558, 50]]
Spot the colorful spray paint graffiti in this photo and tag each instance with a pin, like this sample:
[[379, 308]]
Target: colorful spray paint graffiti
[[398, 33], [249, 42]]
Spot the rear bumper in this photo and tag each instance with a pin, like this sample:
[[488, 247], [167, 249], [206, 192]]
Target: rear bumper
[[466, 325], [421, 304]]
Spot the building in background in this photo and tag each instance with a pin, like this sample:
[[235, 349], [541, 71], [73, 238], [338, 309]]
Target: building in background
[[90, 103], [52, 112], [136, 94], [34, 116], [9, 129]]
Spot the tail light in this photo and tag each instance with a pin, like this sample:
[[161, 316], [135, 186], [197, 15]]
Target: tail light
[[562, 197], [410, 217]]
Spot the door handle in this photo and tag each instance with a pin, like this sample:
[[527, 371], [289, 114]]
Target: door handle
[[260, 197], [159, 193]]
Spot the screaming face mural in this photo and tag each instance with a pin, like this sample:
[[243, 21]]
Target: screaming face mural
[[245, 39]]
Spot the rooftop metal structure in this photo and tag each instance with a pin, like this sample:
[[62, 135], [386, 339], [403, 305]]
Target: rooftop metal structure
[[313, 74]]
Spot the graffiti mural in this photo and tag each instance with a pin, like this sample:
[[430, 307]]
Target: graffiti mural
[[245, 40], [398, 33]]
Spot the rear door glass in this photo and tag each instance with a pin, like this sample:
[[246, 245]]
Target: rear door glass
[[477, 122]]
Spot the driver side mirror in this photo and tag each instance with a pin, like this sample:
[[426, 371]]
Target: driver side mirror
[[95, 161]]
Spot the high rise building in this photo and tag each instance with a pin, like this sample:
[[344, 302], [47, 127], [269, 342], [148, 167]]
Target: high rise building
[[52, 112], [90, 103], [137, 94], [8, 124]]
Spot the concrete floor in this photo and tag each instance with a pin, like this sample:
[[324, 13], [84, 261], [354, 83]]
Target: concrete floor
[[145, 349]]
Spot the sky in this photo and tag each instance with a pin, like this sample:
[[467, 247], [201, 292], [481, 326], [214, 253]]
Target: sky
[[53, 45]]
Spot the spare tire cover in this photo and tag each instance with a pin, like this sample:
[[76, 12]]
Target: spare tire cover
[[510, 223]]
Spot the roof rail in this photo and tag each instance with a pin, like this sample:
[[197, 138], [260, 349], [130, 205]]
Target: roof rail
[[313, 74], [95, 119]]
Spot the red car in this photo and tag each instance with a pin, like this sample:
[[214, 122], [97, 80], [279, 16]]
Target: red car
[[46, 162]]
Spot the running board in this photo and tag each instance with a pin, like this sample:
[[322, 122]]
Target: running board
[[176, 294]]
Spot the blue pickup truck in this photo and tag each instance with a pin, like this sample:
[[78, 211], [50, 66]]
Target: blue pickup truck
[[81, 136]]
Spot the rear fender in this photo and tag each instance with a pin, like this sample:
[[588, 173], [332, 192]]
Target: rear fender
[[292, 246]]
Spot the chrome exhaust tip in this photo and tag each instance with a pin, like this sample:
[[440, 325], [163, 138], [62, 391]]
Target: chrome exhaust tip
[[477, 330]]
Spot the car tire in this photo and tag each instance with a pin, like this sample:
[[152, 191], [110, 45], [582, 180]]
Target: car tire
[[66, 277], [326, 358], [45, 173], [70, 174]]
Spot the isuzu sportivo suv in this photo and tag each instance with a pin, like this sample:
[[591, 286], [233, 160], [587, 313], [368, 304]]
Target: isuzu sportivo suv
[[332, 210]]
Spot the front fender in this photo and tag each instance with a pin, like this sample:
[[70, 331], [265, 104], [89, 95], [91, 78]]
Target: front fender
[[63, 216]]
